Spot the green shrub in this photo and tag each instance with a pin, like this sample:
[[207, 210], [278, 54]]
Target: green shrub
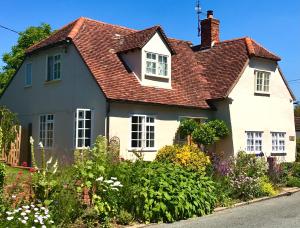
[[266, 187], [124, 218], [187, 126], [298, 150], [167, 192], [220, 128], [187, 156], [293, 181], [204, 135]]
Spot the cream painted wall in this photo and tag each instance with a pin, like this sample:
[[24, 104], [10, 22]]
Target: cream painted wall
[[166, 124], [249, 112], [136, 61], [76, 89], [156, 45]]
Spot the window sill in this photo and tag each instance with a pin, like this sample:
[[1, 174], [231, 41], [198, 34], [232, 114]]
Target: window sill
[[157, 76], [27, 86], [142, 150], [262, 94], [52, 81], [278, 154]]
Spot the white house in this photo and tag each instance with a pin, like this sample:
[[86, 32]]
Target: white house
[[91, 78]]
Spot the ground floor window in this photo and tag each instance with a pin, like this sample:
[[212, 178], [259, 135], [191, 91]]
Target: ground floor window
[[142, 132], [254, 141], [278, 142], [46, 133], [83, 119]]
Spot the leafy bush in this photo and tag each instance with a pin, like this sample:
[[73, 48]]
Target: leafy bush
[[187, 126], [293, 182], [220, 127], [204, 135], [187, 156], [124, 218], [167, 192], [291, 173], [298, 150], [266, 188]]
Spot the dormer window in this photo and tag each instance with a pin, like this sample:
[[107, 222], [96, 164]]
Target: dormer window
[[156, 64], [262, 82]]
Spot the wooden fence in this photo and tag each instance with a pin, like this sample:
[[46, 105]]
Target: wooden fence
[[13, 157]]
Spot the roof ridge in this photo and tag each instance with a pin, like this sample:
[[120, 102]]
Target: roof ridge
[[105, 23], [65, 26], [260, 45], [76, 27], [249, 46]]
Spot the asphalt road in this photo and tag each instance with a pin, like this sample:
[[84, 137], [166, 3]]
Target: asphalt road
[[279, 212]]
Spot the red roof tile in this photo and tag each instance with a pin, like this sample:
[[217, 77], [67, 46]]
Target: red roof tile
[[297, 123], [197, 75]]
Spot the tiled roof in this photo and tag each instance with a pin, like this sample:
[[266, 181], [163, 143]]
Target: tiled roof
[[224, 62], [297, 123], [140, 38], [197, 75]]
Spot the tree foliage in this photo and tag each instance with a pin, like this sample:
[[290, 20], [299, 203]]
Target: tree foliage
[[14, 58]]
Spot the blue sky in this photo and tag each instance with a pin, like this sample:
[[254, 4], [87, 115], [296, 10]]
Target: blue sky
[[273, 23]]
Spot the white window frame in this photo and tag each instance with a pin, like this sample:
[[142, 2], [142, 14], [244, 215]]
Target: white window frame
[[278, 137], [27, 84], [144, 132], [266, 76], [255, 139], [157, 64], [46, 130], [83, 128], [55, 62]]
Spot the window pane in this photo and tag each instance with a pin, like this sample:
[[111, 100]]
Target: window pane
[[50, 68]]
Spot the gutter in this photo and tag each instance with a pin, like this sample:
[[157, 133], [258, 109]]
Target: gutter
[[107, 119]]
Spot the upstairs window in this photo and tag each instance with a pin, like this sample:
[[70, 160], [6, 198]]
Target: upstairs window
[[28, 75], [53, 67], [142, 132], [278, 142], [262, 82], [47, 130], [254, 141], [156, 64], [83, 128]]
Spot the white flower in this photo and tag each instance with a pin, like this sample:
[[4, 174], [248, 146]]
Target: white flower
[[117, 183], [36, 209], [23, 221], [8, 212], [27, 211], [113, 178], [49, 161], [23, 213], [51, 222], [31, 140], [47, 216], [32, 206], [13, 196], [26, 207], [41, 145], [33, 227], [36, 221], [109, 181], [43, 226], [43, 208], [25, 218], [46, 211], [10, 218], [99, 179], [115, 189]]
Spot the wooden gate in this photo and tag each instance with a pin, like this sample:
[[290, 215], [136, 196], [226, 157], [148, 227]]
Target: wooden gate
[[13, 157]]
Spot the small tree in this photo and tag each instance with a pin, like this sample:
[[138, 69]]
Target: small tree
[[220, 128], [8, 123], [186, 128], [204, 135]]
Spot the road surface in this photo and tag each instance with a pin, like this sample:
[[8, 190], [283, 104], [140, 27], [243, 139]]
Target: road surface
[[278, 212]]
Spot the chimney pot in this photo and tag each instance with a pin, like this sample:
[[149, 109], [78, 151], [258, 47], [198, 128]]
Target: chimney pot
[[210, 14]]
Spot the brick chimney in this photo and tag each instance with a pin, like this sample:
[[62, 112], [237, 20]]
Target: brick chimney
[[210, 31]]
